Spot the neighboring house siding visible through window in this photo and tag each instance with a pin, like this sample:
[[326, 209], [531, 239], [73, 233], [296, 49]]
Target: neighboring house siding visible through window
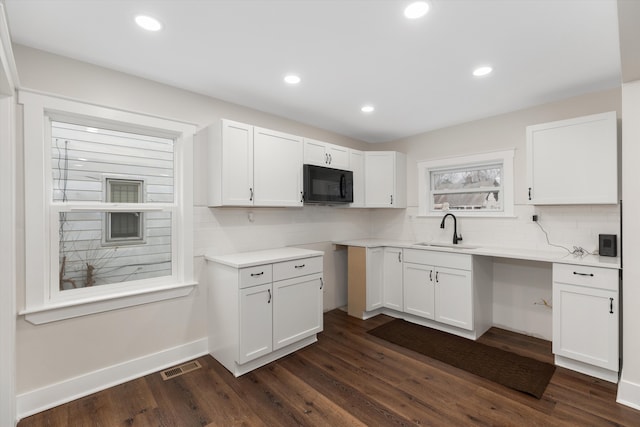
[[91, 164]]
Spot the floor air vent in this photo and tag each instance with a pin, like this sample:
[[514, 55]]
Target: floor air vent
[[179, 370]]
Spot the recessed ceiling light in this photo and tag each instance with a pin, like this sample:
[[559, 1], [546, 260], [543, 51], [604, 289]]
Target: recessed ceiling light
[[292, 79], [482, 71], [367, 109], [416, 10], [148, 23]]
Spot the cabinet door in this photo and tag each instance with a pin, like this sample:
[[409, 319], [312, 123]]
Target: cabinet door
[[379, 178], [573, 161], [338, 156], [375, 260], [585, 325], [392, 278], [418, 290], [315, 153], [356, 164], [255, 323], [237, 164], [454, 297], [297, 309], [277, 168]]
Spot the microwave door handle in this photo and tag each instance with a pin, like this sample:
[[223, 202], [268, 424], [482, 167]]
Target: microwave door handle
[[343, 186]]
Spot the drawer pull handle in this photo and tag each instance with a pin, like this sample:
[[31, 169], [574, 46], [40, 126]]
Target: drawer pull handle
[[431, 275], [299, 266], [269, 301], [321, 283], [611, 305], [583, 274], [437, 277], [257, 274]]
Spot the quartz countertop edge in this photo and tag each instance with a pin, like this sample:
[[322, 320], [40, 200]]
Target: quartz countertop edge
[[498, 252], [268, 256]]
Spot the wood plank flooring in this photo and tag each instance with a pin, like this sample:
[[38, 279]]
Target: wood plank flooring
[[349, 378]]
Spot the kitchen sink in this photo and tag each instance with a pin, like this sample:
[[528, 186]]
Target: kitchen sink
[[446, 245]]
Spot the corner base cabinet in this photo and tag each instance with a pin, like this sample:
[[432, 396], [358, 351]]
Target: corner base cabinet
[[263, 305], [586, 320]]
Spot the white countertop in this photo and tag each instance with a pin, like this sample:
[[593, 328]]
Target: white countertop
[[268, 256], [557, 256]]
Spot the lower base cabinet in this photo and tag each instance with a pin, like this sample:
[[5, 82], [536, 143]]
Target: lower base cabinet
[[258, 314], [442, 287], [586, 322]]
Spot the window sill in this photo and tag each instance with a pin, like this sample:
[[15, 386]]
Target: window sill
[[68, 310]]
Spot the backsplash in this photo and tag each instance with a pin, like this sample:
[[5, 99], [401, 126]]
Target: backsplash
[[566, 226], [228, 230]]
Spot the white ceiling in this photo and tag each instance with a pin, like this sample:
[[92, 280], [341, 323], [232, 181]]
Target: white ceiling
[[347, 52]]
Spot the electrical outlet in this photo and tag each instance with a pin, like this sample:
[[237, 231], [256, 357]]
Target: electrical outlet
[[534, 218]]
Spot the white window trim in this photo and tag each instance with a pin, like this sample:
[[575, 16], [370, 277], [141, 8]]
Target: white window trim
[[424, 182], [41, 304]]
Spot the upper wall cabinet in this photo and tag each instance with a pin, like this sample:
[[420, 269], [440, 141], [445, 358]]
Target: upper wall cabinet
[[323, 154], [573, 161], [251, 166], [385, 179]]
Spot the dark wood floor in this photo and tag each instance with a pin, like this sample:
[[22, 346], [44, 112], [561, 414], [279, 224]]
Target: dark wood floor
[[349, 378]]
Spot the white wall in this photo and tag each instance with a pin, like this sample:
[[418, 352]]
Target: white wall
[[629, 389], [58, 355], [519, 286]]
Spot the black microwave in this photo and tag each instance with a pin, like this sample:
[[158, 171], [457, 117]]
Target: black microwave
[[326, 185]]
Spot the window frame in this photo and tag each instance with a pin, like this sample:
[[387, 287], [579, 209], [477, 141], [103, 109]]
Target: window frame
[[44, 302], [425, 183]]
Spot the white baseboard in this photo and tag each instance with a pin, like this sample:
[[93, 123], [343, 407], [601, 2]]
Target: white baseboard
[[628, 393], [44, 398]]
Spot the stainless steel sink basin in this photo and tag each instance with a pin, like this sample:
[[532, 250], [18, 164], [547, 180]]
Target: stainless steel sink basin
[[446, 245]]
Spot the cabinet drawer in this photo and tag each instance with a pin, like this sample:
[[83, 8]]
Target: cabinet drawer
[[257, 275], [437, 258], [594, 277], [298, 267]]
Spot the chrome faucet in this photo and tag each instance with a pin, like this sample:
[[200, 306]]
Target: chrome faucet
[[456, 238]]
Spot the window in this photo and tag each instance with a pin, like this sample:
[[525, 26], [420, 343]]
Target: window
[[477, 185], [124, 227], [107, 190]]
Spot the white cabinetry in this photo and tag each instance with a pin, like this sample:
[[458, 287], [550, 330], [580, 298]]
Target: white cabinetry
[[448, 288], [356, 164], [586, 320], [324, 154], [573, 161], [251, 166], [392, 278], [385, 179], [258, 313]]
